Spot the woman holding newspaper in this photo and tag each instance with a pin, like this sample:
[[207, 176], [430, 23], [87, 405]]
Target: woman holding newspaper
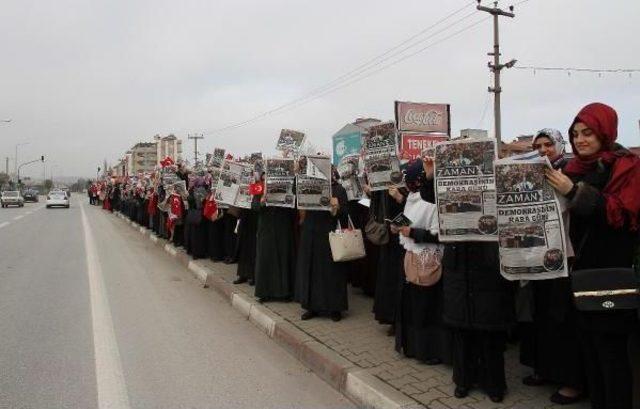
[[549, 342], [602, 184]]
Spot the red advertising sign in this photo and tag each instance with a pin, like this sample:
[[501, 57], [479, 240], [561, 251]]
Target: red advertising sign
[[414, 143], [422, 117]]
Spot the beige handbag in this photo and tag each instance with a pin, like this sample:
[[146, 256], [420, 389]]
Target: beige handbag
[[346, 245], [424, 268]]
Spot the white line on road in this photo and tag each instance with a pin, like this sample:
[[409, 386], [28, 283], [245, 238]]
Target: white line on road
[[112, 391], [4, 224]]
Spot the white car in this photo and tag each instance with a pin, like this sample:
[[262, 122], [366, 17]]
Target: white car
[[57, 198], [11, 198]]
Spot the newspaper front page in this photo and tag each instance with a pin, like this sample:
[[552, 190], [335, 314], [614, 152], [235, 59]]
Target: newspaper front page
[[466, 190], [215, 160], [313, 186], [381, 162], [279, 180], [244, 198], [350, 171], [530, 225], [290, 140], [228, 183]]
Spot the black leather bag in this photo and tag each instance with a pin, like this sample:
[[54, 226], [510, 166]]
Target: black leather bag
[[606, 289]]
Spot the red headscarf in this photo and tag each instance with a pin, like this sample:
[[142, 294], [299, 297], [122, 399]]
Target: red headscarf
[[622, 192]]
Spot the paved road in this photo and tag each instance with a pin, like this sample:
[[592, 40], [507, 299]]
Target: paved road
[[93, 317]]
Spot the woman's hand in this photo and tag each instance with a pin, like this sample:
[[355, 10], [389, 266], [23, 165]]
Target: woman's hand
[[335, 205], [559, 181], [394, 229], [428, 165], [366, 189], [395, 193], [405, 231]]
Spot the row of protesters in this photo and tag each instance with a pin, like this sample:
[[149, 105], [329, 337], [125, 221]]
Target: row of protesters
[[446, 303]]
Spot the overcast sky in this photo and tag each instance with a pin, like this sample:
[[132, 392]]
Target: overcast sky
[[84, 80]]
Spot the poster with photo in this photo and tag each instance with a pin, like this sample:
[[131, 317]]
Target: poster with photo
[[244, 198], [531, 235], [228, 183], [279, 182], [465, 189], [216, 159], [350, 171]]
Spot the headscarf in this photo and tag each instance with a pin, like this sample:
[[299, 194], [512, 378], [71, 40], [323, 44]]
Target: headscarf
[[621, 192], [558, 142], [412, 176]]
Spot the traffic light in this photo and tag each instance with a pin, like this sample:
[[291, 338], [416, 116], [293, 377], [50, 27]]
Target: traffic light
[[42, 158]]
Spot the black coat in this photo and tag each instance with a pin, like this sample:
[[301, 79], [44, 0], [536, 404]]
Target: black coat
[[321, 283], [247, 231], [476, 296]]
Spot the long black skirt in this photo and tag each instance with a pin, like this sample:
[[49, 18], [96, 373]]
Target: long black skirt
[[215, 239], [197, 240], [420, 333], [389, 281], [247, 231], [230, 237], [478, 358]]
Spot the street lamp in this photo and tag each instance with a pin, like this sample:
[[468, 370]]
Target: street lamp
[[15, 158]]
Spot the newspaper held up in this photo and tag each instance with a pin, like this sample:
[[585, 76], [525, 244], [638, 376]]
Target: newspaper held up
[[381, 162], [290, 140], [531, 234], [279, 180], [215, 160], [349, 168], [313, 185], [465, 187], [244, 197], [228, 183]]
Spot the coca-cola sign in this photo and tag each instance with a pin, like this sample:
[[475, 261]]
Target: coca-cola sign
[[422, 117]]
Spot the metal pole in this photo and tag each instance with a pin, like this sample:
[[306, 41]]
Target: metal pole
[[195, 138]]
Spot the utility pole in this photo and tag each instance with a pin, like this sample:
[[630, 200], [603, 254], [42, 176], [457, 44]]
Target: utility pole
[[195, 138], [496, 67]]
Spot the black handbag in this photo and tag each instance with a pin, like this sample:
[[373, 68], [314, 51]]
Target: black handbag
[[605, 289]]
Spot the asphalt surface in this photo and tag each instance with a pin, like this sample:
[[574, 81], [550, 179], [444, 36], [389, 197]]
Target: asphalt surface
[[91, 316]]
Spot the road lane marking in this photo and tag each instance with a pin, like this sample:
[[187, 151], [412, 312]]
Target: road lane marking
[[18, 217], [112, 390], [4, 224]]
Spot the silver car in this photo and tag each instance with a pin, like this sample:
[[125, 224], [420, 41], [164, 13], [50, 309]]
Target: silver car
[[11, 198]]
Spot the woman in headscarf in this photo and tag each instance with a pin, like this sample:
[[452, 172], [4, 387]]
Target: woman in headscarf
[[550, 343], [420, 333], [321, 283], [602, 184], [247, 231]]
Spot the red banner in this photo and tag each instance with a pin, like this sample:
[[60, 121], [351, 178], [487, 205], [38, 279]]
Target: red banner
[[414, 143], [422, 117]]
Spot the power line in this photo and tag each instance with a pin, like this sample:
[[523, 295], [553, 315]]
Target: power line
[[369, 64], [576, 69]]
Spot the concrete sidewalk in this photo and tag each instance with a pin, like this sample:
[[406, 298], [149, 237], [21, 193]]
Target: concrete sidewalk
[[355, 355]]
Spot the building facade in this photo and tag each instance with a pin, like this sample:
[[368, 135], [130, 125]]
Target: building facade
[[168, 146]]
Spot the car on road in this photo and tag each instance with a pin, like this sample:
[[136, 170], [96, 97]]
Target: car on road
[[57, 198], [30, 195], [11, 198]]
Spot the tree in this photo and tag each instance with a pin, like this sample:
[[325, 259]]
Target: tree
[[4, 179], [48, 184]]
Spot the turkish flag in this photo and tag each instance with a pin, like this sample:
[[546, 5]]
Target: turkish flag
[[256, 189]]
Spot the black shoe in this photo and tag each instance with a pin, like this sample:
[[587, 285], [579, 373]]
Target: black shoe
[[263, 300], [433, 361], [391, 331], [335, 316], [497, 398], [251, 282], [461, 392], [560, 399], [240, 281], [307, 315], [533, 380]]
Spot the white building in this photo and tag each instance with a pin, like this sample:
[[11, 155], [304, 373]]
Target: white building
[[169, 146]]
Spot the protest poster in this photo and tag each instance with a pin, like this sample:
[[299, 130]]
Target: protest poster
[[531, 236], [290, 140], [244, 197], [465, 189], [313, 183], [215, 160], [168, 177], [346, 145], [413, 143], [228, 183], [349, 171], [279, 180], [423, 117], [381, 162]]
